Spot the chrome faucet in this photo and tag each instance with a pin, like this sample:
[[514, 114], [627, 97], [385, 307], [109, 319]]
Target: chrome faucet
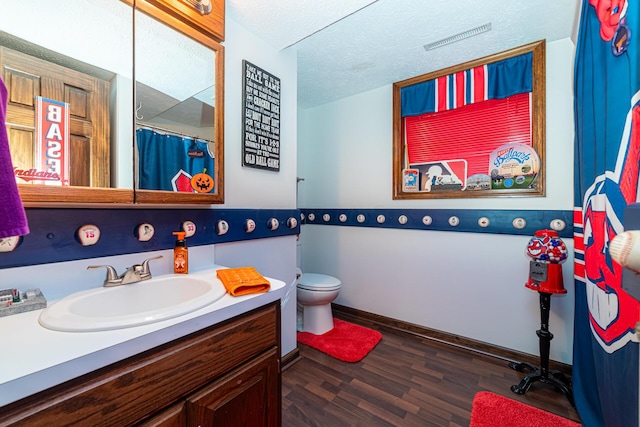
[[133, 274]]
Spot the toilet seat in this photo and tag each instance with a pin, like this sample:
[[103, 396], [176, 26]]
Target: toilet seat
[[318, 282]]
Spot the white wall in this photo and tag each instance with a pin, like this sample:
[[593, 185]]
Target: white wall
[[273, 258], [248, 187], [257, 188], [462, 283]]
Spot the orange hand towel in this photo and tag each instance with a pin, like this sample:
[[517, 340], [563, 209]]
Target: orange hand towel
[[243, 281]]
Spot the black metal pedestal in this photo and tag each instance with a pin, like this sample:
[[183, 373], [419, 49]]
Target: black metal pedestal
[[543, 374]]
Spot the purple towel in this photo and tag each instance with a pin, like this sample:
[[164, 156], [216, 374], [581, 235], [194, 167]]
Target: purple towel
[[13, 220]]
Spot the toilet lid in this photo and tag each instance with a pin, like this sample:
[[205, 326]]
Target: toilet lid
[[315, 281]]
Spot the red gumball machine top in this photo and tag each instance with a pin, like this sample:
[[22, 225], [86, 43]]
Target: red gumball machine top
[[547, 252], [546, 246]]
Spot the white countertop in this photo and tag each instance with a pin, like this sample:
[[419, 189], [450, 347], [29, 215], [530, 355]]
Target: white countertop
[[33, 358]]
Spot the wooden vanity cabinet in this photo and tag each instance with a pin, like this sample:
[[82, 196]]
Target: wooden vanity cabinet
[[225, 375], [244, 397]]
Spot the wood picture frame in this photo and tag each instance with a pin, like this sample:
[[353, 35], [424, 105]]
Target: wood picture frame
[[405, 185]]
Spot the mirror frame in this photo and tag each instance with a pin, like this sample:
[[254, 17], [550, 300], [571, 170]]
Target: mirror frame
[[34, 195]]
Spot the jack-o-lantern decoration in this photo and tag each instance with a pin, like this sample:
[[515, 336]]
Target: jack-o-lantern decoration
[[202, 183]]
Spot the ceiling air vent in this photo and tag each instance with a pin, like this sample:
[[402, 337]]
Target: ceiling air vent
[[452, 39]]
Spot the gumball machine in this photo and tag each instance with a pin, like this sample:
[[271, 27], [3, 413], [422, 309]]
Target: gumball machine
[[547, 252]]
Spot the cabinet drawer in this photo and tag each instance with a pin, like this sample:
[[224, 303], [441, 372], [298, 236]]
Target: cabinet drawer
[[133, 389]]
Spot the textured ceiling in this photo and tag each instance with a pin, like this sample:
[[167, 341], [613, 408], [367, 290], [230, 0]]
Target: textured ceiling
[[352, 46]]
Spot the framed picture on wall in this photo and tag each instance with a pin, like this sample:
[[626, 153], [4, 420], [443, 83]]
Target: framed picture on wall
[[472, 130]]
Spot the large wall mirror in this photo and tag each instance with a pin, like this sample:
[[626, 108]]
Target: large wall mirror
[[60, 74], [178, 108], [82, 88]]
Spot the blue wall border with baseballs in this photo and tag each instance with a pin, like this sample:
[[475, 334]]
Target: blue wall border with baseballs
[[53, 230], [468, 220]]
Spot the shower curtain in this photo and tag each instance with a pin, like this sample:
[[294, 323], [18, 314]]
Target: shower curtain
[[168, 162], [607, 155]]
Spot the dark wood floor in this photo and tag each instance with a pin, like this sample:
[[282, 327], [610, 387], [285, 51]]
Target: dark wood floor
[[404, 381]]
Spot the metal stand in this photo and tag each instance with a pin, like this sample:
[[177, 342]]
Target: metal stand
[[543, 374]]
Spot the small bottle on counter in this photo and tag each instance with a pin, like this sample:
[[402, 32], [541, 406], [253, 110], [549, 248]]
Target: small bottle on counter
[[180, 254]]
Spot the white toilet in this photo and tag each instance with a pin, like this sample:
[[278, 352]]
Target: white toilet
[[315, 293]]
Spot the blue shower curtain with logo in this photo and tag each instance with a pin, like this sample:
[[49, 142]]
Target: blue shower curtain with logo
[[607, 158], [167, 162]]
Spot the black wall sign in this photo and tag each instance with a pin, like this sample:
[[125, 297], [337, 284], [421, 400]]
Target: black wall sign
[[261, 108]]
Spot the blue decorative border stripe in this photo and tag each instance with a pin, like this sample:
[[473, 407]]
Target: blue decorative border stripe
[[53, 231], [468, 220]]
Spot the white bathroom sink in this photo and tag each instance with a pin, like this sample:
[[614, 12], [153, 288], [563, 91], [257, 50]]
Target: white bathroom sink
[[153, 300]]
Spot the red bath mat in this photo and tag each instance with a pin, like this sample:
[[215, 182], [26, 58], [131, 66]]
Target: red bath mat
[[493, 410], [346, 341]]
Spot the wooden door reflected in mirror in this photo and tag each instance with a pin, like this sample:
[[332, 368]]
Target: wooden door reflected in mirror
[[88, 148]]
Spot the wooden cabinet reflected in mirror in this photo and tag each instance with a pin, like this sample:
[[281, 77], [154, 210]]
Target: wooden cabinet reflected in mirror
[[85, 71]]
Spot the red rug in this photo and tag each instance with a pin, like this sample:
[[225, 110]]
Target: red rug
[[346, 341], [492, 410]]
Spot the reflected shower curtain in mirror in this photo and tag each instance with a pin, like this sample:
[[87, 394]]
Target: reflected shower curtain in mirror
[[170, 163]]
